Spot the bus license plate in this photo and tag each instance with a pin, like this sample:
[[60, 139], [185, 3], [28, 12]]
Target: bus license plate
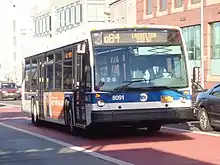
[[166, 99]]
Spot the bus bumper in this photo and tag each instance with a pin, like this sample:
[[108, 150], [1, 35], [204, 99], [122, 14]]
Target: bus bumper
[[164, 116]]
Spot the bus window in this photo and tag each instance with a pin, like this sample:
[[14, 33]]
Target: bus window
[[49, 71], [27, 74], [110, 67], [58, 69], [67, 68], [33, 74]]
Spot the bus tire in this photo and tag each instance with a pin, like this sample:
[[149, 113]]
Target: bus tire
[[69, 117], [34, 115], [1, 97], [153, 128]]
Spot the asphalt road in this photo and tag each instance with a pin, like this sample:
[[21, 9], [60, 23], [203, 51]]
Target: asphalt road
[[18, 148]]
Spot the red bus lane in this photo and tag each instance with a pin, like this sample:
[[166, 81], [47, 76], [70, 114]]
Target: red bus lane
[[167, 147]]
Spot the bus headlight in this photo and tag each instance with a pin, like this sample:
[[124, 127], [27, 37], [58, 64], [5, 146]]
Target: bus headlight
[[100, 103]]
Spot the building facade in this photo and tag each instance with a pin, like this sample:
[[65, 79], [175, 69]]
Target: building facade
[[186, 14], [53, 20], [60, 16], [122, 11]]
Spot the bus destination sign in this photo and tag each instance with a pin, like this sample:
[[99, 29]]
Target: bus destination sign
[[133, 37]]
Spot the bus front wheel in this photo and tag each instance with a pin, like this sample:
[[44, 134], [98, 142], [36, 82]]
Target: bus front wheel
[[153, 128]]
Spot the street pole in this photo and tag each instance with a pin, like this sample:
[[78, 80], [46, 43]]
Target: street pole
[[202, 43], [14, 24]]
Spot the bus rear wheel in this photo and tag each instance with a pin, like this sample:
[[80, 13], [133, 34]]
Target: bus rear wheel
[[1, 97], [34, 115]]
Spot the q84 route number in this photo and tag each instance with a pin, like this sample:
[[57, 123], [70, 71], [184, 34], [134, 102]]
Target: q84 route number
[[118, 97]]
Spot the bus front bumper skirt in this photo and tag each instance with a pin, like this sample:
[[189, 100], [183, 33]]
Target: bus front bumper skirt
[[165, 115]]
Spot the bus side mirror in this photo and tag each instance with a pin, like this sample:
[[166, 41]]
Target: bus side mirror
[[196, 75], [82, 48]]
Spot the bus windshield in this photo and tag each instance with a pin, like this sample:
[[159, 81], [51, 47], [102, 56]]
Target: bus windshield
[[158, 64]]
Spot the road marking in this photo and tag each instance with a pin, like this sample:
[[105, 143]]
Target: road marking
[[192, 131], [70, 146], [12, 105]]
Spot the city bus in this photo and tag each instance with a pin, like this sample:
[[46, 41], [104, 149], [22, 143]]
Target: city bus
[[109, 75]]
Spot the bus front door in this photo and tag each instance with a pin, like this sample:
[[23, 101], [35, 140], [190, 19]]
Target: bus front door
[[79, 97]]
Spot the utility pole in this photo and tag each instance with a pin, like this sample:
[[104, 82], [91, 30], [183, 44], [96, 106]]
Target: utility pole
[[202, 43], [13, 67]]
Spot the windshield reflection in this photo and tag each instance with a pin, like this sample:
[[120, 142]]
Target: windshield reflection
[[158, 65]]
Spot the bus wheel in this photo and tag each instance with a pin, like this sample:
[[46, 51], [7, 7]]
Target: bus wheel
[[69, 117], [153, 128], [1, 97], [34, 116]]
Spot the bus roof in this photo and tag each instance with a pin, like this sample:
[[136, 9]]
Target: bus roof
[[102, 26], [80, 33]]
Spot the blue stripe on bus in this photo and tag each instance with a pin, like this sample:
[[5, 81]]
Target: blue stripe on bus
[[135, 96], [128, 96]]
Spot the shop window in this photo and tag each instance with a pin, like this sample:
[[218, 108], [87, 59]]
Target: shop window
[[192, 36]]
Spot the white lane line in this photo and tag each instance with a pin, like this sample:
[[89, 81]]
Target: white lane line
[[70, 146], [11, 105], [192, 131]]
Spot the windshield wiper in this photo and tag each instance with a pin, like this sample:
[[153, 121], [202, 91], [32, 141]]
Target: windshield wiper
[[120, 88], [145, 89], [165, 87]]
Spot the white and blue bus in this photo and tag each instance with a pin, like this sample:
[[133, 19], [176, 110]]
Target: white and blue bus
[[109, 75]]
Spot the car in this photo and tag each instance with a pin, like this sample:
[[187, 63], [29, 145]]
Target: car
[[19, 88], [8, 90], [196, 89], [207, 108]]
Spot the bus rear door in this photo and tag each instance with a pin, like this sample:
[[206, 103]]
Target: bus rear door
[[41, 85]]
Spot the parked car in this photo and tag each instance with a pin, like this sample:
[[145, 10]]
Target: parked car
[[20, 90], [9, 90], [207, 109], [196, 89]]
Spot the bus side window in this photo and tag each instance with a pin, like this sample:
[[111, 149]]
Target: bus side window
[[27, 75], [33, 74], [58, 69], [87, 72], [67, 68], [49, 71]]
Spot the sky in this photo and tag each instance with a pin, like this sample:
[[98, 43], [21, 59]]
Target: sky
[[23, 14], [24, 7]]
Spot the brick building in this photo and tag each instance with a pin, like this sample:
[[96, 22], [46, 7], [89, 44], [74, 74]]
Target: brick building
[[186, 14]]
